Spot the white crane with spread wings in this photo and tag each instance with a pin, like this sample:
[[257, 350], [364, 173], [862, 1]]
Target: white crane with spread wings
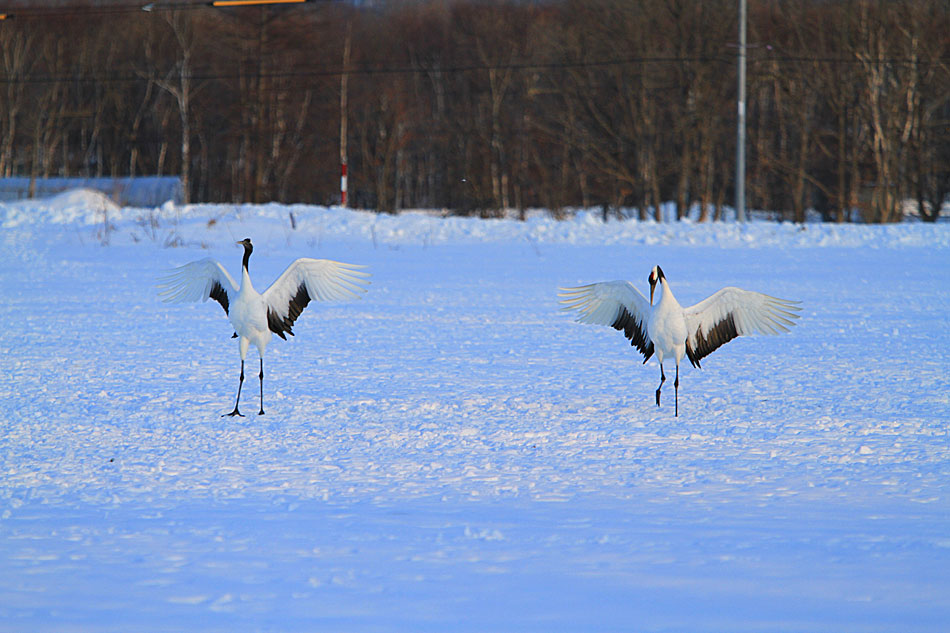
[[256, 315], [670, 330]]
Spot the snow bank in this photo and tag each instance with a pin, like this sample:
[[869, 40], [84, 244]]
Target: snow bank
[[78, 206], [87, 207], [584, 228]]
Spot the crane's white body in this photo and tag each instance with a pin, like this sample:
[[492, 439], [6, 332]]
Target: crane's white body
[[249, 317], [667, 328], [672, 331], [256, 316]]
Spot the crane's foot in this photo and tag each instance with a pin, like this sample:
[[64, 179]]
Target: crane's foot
[[233, 413], [261, 412]]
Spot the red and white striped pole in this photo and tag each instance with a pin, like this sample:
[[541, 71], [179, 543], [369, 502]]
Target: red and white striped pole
[[343, 185]]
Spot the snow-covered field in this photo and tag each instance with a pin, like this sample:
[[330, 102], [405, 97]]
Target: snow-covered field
[[451, 453]]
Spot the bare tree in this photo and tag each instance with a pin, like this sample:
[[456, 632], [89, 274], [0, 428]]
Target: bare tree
[[18, 57], [178, 82], [489, 106]]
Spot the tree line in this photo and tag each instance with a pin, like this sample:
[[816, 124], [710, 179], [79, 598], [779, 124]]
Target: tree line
[[482, 107]]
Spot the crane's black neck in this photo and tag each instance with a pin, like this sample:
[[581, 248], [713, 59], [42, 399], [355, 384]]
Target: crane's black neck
[[247, 252]]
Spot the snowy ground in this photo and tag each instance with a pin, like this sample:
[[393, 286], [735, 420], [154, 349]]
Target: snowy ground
[[451, 453]]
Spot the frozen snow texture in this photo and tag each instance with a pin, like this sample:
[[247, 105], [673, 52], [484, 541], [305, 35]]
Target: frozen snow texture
[[451, 453]]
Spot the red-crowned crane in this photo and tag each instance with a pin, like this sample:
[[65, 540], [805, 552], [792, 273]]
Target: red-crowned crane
[[671, 330], [255, 315]]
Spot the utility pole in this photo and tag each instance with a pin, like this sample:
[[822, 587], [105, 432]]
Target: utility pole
[[740, 129], [343, 114]]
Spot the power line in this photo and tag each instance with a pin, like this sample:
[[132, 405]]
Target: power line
[[364, 69], [382, 69]]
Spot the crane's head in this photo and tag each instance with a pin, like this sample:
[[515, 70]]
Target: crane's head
[[655, 276], [246, 243]]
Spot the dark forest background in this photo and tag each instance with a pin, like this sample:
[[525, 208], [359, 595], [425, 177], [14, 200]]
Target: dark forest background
[[478, 107]]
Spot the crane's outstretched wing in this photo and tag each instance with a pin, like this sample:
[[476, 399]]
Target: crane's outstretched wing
[[199, 280], [733, 312], [614, 303], [306, 279]]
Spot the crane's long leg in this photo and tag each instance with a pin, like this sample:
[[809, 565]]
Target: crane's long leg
[[262, 386], [676, 392], [240, 383], [662, 380]]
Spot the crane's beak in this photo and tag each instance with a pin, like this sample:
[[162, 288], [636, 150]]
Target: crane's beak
[[652, 288]]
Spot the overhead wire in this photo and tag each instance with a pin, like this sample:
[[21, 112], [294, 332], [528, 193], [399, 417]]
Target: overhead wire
[[127, 76], [380, 68]]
